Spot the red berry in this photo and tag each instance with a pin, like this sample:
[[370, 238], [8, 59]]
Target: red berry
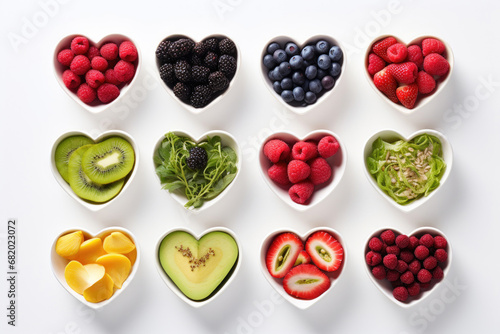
[[276, 150], [404, 73], [425, 83], [99, 63], [430, 263], [421, 252], [406, 255], [379, 272], [432, 45], [386, 83], [127, 51], [321, 171], [328, 146], [111, 77], [278, 173], [435, 64], [441, 255], [392, 275], [400, 293], [86, 93], [375, 64], [415, 55], [380, 48], [393, 249], [80, 65], [304, 150], [298, 170], [397, 53], [65, 57], [80, 45], [427, 240], [413, 289], [414, 242], [407, 277], [70, 79], [402, 266], [301, 192], [93, 52], [440, 242], [373, 258], [388, 237], [94, 78], [437, 273], [407, 95], [402, 241], [124, 71], [390, 261], [424, 276], [414, 267], [375, 244], [109, 51], [107, 92]]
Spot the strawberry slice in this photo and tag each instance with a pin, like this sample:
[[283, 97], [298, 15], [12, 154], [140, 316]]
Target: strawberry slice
[[325, 251], [282, 254], [303, 258], [306, 281]]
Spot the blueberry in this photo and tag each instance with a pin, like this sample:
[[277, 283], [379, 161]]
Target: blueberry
[[334, 69], [335, 53], [324, 62], [276, 74], [321, 74], [272, 47], [298, 94], [286, 84], [291, 49], [310, 98], [328, 82], [311, 72], [280, 56], [322, 47], [307, 52], [270, 75], [277, 87], [313, 61], [297, 62], [315, 86], [269, 61], [285, 68], [287, 96], [305, 86], [298, 78]]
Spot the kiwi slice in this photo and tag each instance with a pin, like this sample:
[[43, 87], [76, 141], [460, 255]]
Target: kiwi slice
[[64, 150], [83, 186], [109, 160]]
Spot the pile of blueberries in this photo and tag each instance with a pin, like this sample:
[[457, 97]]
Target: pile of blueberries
[[302, 76]]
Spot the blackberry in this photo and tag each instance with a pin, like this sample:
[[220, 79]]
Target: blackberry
[[211, 60], [182, 71], [200, 73], [200, 49], [197, 159], [167, 74], [227, 65], [180, 48], [162, 52], [201, 96], [217, 81], [227, 46], [212, 44], [195, 60], [182, 91]]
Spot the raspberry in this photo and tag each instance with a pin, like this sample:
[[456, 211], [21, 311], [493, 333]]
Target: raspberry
[[430, 263], [427, 240], [278, 173], [124, 71], [407, 277], [298, 171], [413, 289], [432, 45], [379, 272], [435, 64], [425, 83], [80, 65], [303, 150], [397, 53], [414, 242], [86, 93], [276, 150], [373, 258], [380, 48], [94, 78], [407, 256], [111, 77], [388, 237], [321, 171], [440, 242], [127, 51], [402, 241], [415, 55], [328, 146], [404, 73], [424, 276], [107, 92], [65, 57], [414, 267], [80, 45], [437, 273], [402, 266], [375, 64], [301, 192], [70, 79], [390, 261], [99, 63], [109, 51], [393, 249], [93, 52], [424, 285], [375, 244], [441, 255], [421, 252], [392, 275]]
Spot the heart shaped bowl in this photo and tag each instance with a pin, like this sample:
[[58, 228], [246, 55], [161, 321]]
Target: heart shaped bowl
[[421, 100], [216, 101], [385, 286], [90, 205], [227, 140], [277, 283], [58, 264], [338, 163], [392, 135], [222, 286], [96, 106], [282, 40]]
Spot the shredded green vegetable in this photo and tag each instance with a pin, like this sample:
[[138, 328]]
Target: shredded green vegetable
[[405, 170]]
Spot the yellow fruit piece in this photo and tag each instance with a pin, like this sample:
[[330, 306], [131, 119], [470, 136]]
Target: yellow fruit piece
[[68, 245], [100, 290], [132, 256], [80, 277], [117, 267], [119, 243], [90, 250]]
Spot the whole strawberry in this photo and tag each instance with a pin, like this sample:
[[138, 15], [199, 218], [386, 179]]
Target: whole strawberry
[[386, 83], [407, 95]]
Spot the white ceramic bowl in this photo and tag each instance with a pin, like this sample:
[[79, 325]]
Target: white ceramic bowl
[[385, 286], [224, 284], [277, 283], [227, 140], [282, 40], [89, 205], [96, 107], [58, 264], [215, 101], [338, 163], [392, 135], [421, 101]]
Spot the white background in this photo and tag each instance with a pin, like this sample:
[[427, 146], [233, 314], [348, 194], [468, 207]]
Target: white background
[[35, 111]]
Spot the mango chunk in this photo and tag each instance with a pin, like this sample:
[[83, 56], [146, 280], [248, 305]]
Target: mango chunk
[[80, 277], [100, 290], [117, 267], [132, 256], [119, 243], [90, 250], [68, 245]]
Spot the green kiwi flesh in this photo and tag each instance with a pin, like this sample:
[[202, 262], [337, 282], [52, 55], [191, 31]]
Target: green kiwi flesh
[[83, 186], [109, 160], [64, 150]]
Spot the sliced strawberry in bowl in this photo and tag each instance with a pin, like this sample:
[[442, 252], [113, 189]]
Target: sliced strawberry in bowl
[[325, 251], [282, 254], [303, 258], [306, 281]]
